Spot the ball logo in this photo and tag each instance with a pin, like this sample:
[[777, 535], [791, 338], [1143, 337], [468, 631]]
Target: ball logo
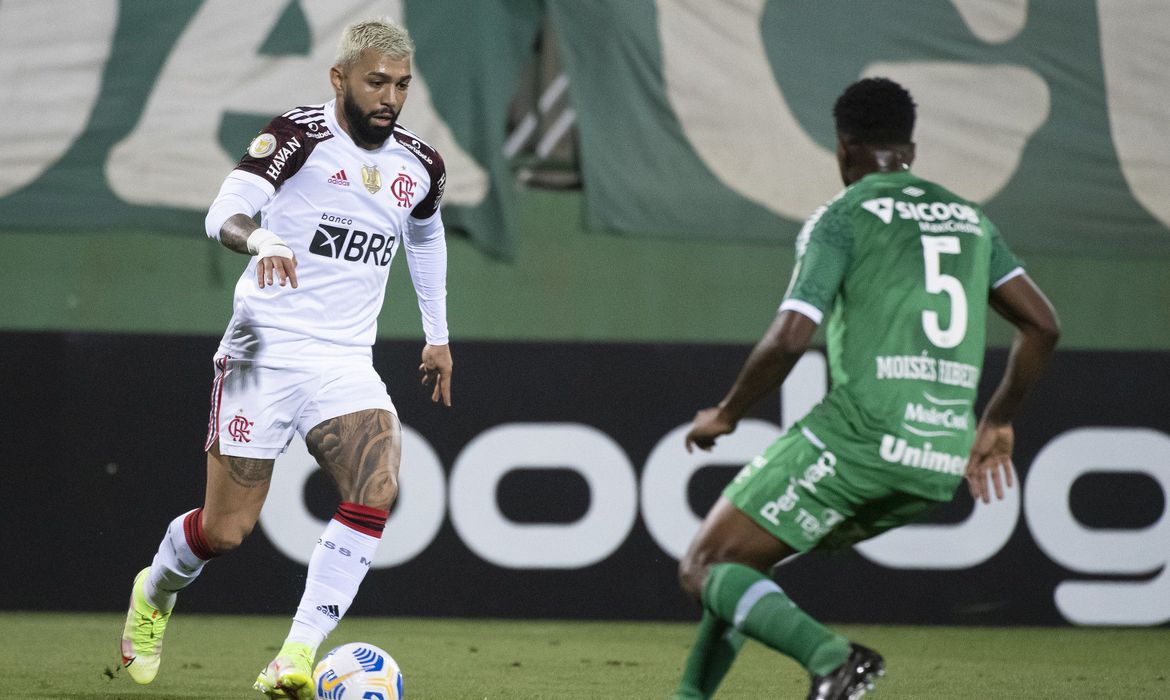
[[262, 145], [239, 428], [403, 189]]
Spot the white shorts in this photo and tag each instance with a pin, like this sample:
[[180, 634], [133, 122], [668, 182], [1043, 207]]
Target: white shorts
[[255, 408]]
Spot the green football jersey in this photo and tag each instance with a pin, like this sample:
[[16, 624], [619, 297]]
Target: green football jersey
[[902, 268]]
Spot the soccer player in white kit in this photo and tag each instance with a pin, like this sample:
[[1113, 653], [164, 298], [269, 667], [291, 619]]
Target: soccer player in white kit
[[340, 187]]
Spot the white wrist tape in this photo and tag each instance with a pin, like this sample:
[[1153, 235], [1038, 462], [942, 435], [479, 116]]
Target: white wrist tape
[[266, 244]]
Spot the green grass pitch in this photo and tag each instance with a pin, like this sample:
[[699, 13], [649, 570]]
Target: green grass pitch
[[67, 656]]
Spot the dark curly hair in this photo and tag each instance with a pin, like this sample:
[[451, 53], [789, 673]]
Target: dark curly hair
[[875, 111]]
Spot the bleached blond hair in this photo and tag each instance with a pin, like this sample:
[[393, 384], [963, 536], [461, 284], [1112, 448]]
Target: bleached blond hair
[[382, 34]]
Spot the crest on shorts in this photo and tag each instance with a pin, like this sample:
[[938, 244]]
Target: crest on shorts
[[371, 178], [262, 145], [240, 428]]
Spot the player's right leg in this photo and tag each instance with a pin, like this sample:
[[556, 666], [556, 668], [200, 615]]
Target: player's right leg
[[724, 568], [236, 488]]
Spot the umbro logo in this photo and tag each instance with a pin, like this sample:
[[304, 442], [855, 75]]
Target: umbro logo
[[330, 611], [339, 178]]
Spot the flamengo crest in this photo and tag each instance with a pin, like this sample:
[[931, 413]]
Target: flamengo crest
[[403, 189], [239, 428]]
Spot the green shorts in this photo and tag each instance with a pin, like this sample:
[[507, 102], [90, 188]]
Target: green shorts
[[809, 498]]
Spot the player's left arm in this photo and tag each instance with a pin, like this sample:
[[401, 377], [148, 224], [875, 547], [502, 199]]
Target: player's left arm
[[1022, 303], [426, 256]]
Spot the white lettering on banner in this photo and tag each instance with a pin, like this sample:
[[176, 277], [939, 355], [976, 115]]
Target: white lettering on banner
[[756, 129], [38, 127], [994, 22], [1013, 102], [804, 388], [214, 68], [412, 526], [669, 468], [613, 502], [474, 511], [959, 546], [1084, 550], [1134, 52]]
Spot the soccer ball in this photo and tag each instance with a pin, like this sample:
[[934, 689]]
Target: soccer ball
[[358, 671]]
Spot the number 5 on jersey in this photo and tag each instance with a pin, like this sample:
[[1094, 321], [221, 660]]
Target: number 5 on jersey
[[933, 247]]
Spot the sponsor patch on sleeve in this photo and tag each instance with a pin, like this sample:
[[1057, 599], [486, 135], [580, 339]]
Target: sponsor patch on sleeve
[[262, 145]]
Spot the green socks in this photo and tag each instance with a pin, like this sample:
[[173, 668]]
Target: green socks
[[739, 601], [758, 608], [711, 655]]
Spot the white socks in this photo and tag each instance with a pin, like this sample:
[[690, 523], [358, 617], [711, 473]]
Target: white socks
[[180, 557], [340, 561]]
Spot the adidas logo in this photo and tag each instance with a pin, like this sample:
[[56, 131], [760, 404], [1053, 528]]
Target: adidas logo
[[339, 178], [330, 611]]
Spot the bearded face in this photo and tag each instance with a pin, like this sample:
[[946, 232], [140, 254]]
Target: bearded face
[[370, 127], [370, 94]]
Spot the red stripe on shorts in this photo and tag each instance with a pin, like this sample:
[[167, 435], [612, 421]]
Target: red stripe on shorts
[[216, 399]]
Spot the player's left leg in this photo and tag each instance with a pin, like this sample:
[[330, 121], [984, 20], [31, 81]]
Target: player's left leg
[[361, 452]]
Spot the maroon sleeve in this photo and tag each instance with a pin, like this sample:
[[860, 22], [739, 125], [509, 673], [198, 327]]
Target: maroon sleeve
[[426, 208], [279, 151], [433, 162]]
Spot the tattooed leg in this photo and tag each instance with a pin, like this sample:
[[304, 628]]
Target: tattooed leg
[[236, 489], [361, 452]]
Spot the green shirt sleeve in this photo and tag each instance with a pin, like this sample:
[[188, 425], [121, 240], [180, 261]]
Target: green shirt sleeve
[[824, 250], [1003, 260]]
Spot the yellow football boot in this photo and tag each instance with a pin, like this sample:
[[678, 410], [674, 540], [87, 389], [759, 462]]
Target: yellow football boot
[[289, 675], [143, 634]]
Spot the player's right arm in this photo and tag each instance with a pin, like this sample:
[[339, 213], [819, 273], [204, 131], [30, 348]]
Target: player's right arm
[[240, 233], [230, 221], [823, 253], [767, 366], [273, 156], [1022, 303]]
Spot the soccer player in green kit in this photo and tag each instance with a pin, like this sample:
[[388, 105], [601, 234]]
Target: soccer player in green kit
[[905, 271]]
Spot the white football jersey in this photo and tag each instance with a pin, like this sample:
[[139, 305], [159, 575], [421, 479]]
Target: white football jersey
[[344, 211]]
